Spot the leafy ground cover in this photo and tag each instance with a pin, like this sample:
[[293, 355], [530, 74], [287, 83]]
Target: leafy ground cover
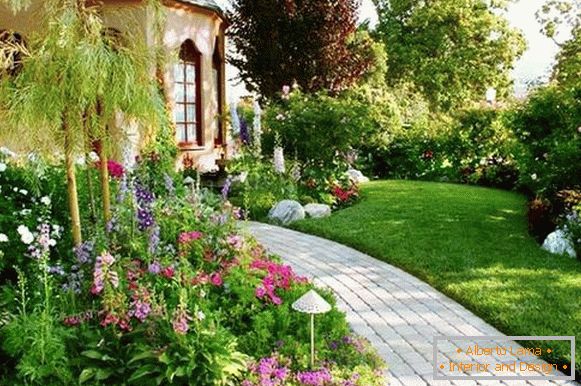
[[472, 244]]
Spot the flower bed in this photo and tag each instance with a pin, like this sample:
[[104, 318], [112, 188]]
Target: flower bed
[[167, 292]]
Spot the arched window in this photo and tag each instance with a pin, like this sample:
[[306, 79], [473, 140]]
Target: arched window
[[188, 106], [12, 47], [218, 79]]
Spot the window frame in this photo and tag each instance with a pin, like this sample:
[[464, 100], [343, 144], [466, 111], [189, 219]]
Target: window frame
[[189, 55], [218, 66]]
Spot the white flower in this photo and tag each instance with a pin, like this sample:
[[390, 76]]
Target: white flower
[[45, 200], [25, 235], [7, 152], [93, 157], [3, 238], [2, 167], [24, 192], [52, 242], [25, 212], [200, 315], [534, 176], [80, 161], [279, 160]]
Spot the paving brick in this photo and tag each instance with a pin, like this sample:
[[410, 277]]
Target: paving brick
[[398, 313]]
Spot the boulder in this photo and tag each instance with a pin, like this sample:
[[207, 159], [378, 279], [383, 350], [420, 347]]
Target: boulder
[[356, 176], [558, 243], [317, 210], [286, 211]]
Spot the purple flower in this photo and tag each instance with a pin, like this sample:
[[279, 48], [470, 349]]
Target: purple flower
[[154, 268], [141, 310], [144, 219], [226, 188], [142, 195], [123, 189], [56, 270], [244, 133], [83, 252], [169, 185], [315, 378], [153, 240]]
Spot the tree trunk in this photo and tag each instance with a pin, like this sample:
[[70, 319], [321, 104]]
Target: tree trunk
[[72, 186], [105, 188], [104, 169], [88, 167]]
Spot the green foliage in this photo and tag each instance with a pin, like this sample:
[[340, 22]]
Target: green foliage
[[547, 127], [473, 146], [258, 186], [451, 51], [316, 128], [567, 70]]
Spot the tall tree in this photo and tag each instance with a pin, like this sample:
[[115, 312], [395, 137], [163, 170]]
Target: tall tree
[[451, 50], [557, 18], [69, 69], [310, 42]]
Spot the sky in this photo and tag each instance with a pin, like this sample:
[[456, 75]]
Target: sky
[[535, 63]]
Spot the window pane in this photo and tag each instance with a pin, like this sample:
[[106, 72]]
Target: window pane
[[179, 113], [181, 132], [179, 92], [179, 72], [191, 93], [190, 73], [191, 113], [191, 132]]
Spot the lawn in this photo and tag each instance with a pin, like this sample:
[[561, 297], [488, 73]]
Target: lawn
[[470, 243]]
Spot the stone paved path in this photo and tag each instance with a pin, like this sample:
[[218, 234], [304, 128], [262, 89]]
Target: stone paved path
[[397, 312]]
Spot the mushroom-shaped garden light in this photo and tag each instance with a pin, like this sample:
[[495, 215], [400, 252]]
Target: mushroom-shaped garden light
[[312, 303]]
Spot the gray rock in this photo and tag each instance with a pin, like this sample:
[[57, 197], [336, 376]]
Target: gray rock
[[317, 210], [558, 243], [286, 211], [356, 176]]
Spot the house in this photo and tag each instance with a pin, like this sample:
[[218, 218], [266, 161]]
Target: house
[[194, 82]]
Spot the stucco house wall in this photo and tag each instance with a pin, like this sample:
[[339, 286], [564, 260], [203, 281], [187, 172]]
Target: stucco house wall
[[201, 21]]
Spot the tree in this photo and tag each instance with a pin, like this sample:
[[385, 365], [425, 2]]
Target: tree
[[556, 18], [310, 42], [72, 83], [451, 51]]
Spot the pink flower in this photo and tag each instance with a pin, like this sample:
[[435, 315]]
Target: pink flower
[[187, 237], [168, 272], [116, 170], [235, 241], [180, 322], [216, 279]]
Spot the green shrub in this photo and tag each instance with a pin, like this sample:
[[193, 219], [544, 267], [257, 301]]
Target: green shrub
[[547, 128]]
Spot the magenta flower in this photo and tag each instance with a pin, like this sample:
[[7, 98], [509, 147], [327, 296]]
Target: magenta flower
[[216, 279]]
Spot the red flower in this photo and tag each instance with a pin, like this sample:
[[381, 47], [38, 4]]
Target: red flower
[[116, 170]]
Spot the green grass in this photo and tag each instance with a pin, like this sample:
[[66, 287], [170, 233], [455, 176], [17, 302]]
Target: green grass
[[470, 243]]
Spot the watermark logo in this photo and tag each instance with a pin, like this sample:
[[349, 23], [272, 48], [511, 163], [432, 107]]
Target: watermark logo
[[501, 358]]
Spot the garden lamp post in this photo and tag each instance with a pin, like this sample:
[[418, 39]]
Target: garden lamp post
[[312, 303]]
